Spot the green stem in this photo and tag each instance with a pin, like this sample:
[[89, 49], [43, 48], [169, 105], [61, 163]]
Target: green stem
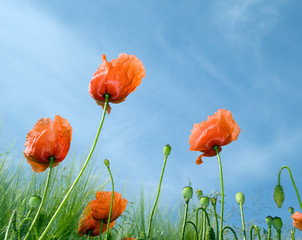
[[51, 159], [102, 223], [292, 232], [111, 204], [89, 233], [279, 234], [185, 219], [222, 193], [201, 224], [19, 229], [243, 222], [291, 177], [82, 170], [269, 232], [216, 221], [204, 228], [9, 224], [257, 231], [234, 233], [195, 228], [153, 209]]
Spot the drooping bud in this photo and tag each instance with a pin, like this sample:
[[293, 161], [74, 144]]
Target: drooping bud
[[204, 201], [291, 210], [199, 193], [106, 162], [279, 195], [269, 220], [167, 150], [239, 198], [34, 201], [213, 201], [187, 192], [277, 223], [210, 235]]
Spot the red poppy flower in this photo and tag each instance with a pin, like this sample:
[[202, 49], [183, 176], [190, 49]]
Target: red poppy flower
[[88, 223], [117, 78], [47, 139], [98, 210], [219, 130], [297, 220]]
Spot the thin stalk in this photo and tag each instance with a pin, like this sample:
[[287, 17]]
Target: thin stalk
[[243, 222], [111, 204], [222, 193], [201, 225], [204, 228], [81, 172], [257, 231], [9, 224], [19, 229], [195, 228], [269, 232], [89, 233], [185, 219], [153, 209], [292, 232], [279, 234], [234, 233], [202, 220], [291, 177], [102, 223], [216, 221], [51, 159]]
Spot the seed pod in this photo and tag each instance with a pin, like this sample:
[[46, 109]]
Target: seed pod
[[167, 150], [187, 192], [204, 201], [279, 195], [269, 220], [291, 210], [35, 201], [239, 198], [277, 223], [199, 193]]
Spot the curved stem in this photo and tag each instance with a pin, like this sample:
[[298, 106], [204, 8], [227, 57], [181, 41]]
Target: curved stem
[[205, 211], [10, 223], [234, 233], [185, 219], [243, 222], [19, 229], [216, 221], [291, 177], [82, 170], [153, 209], [51, 159], [196, 220], [111, 204], [257, 231], [222, 192], [195, 228]]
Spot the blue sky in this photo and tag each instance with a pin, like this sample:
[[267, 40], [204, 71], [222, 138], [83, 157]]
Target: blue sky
[[199, 56]]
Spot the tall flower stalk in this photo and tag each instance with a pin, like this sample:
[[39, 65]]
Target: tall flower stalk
[[111, 203], [81, 172]]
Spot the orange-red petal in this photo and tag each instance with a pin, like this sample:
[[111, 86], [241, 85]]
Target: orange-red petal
[[47, 139], [117, 78], [297, 220], [219, 130], [89, 223], [101, 205]]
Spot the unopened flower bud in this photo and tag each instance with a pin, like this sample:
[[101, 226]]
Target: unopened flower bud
[[269, 220], [210, 235], [34, 201], [279, 195], [291, 210], [277, 223], [239, 198], [187, 192], [213, 201], [199, 193], [204, 201], [167, 150], [106, 162]]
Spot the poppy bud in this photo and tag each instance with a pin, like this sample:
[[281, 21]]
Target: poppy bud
[[167, 150], [213, 201], [210, 235], [199, 193], [239, 198], [277, 223], [269, 220], [187, 192], [107, 163], [291, 210], [34, 201], [204, 201], [279, 195]]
